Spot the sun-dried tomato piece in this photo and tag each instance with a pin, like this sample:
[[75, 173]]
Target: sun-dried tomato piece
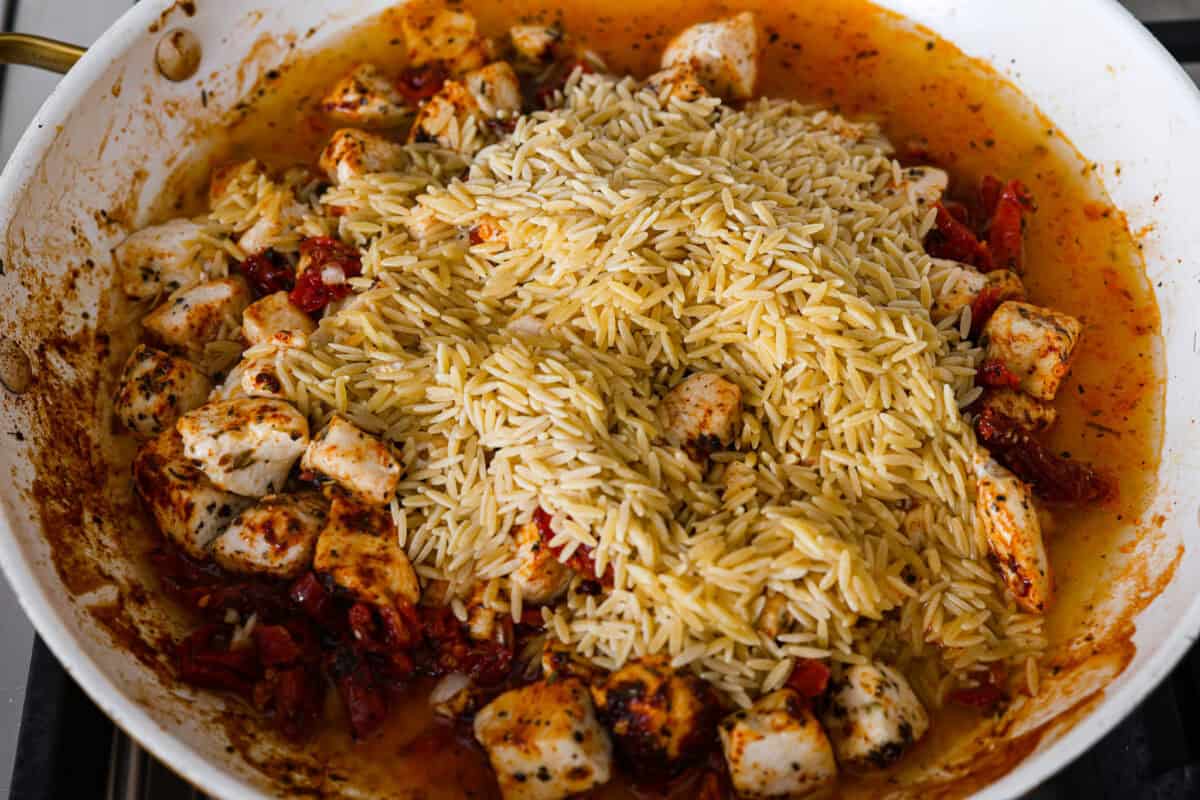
[[982, 308], [581, 560], [205, 659], [809, 678], [421, 83], [1006, 227], [268, 272], [995, 374], [276, 646], [952, 239], [330, 264], [1053, 478]]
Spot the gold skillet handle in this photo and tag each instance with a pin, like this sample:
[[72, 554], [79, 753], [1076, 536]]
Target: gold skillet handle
[[38, 51]]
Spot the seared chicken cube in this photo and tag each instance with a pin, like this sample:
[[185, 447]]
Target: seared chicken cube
[[188, 509], [544, 741], [724, 55], [659, 716], [191, 318], [274, 314], [160, 259], [482, 617], [560, 661], [446, 116], [873, 716], [1036, 344], [359, 549], [275, 537], [368, 98], [351, 154], [701, 413], [1005, 509], [536, 43], [259, 377], [495, 88], [358, 461], [1028, 412], [678, 81], [541, 577], [156, 388], [438, 35], [959, 285], [777, 748], [247, 445], [922, 187]]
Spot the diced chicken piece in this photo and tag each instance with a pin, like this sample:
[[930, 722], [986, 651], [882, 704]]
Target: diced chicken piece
[[247, 445], [774, 615], [1006, 511], [873, 716], [156, 388], [678, 81], [560, 661], [358, 549], [724, 54], [273, 314], [191, 318], [658, 715], [351, 154], [450, 37], [536, 43], [160, 259], [358, 461], [446, 116], [368, 98], [777, 748], [1036, 344], [1028, 412], [187, 507], [958, 285], [482, 617], [277, 220], [453, 697], [544, 741], [701, 413], [259, 377], [275, 537], [541, 577], [495, 88], [924, 186]]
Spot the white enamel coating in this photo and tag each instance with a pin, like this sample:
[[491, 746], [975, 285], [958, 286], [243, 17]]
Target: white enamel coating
[[1087, 64]]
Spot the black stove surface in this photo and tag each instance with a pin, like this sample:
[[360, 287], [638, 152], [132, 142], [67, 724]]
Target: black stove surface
[[69, 749]]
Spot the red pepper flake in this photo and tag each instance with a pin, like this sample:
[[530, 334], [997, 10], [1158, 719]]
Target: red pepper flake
[[421, 83], [1053, 478], [312, 293], [952, 239], [809, 678], [268, 272], [995, 373]]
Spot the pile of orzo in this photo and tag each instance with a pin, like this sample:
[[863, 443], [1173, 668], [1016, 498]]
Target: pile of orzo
[[645, 239]]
